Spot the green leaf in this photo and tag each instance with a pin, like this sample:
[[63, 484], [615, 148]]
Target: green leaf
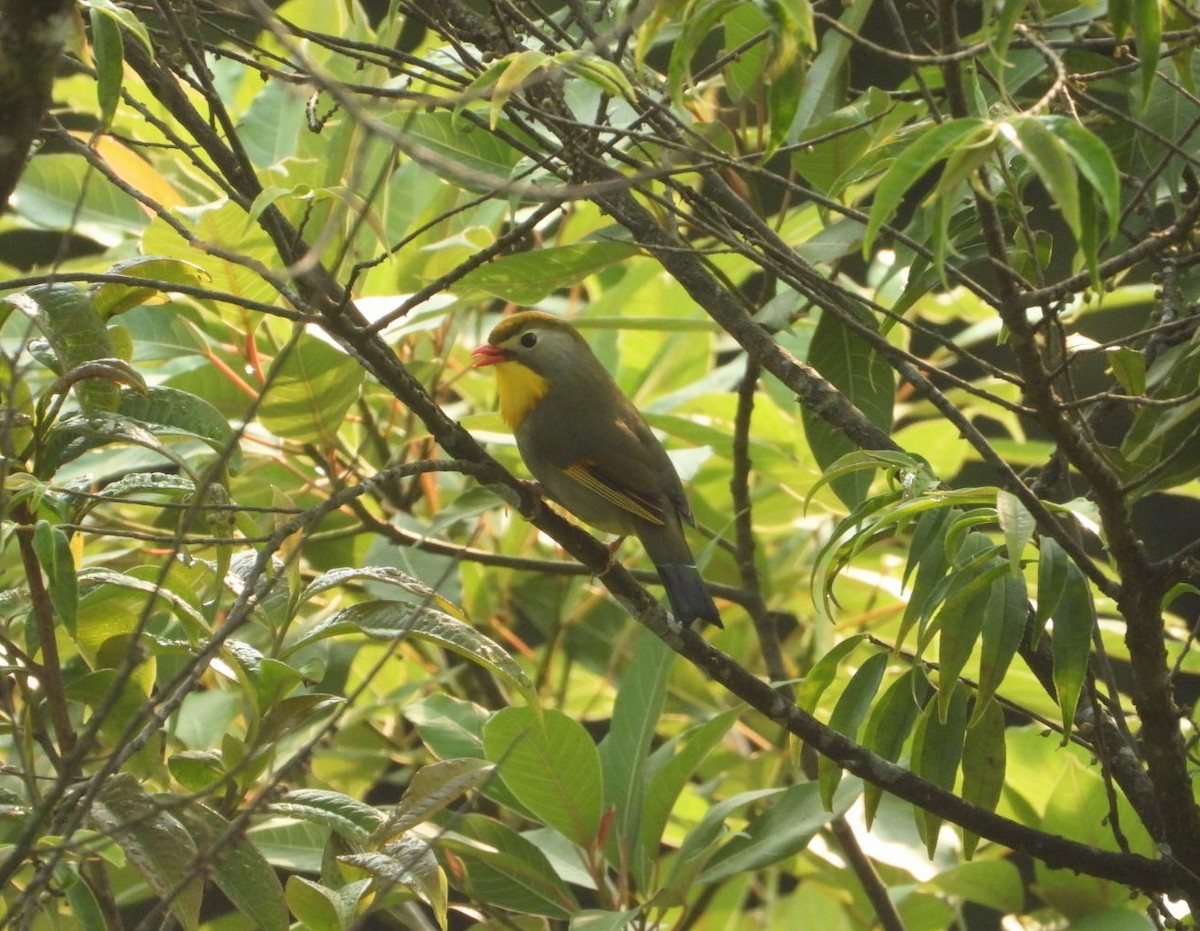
[[783, 96], [504, 869], [126, 19], [670, 771], [221, 225], [1071, 641], [53, 550], [393, 620], [993, 883], [852, 706], [459, 152], [433, 787], [791, 30], [1048, 157], [936, 751], [934, 144], [1000, 35], [449, 726], [1004, 619], [961, 615], [1119, 16], [983, 762], [528, 277], [928, 555], [384, 576], [410, 864], [549, 762], [826, 76], [63, 192], [890, 724], [169, 412], [354, 820], [144, 418], [823, 672], [104, 594], [698, 21], [1128, 367], [109, 50], [111, 298], [197, 770], [1018, 526], [77, 335], [701, 844], [781, 831], [520, 65], [85, 911], [743, 70], [1053, 566], [624, 752], [1093, 159], [1147, 28], [288, 715], [238, 869], [605, 74], [867, 381], [311, 387], [157, 845], [320, 908]]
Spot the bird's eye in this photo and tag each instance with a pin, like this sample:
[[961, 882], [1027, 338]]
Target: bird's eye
[[529, 340]]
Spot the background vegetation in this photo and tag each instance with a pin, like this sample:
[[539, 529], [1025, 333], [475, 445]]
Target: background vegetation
[[909, 289]]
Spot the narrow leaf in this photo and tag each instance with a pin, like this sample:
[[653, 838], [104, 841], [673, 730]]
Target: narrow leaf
[[983, 763], [1018, 526], [823, 673], [890, 724], [1071, 642], [1003, 627], [781, 831], [933, 145], [108, 48], [1147, 28], [1047, 156], [936, 752], [852, 706], [625, 750], [1094, 161], [867, 381]]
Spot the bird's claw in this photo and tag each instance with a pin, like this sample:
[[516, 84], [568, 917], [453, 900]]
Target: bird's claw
[[611, 559], [537, 497]]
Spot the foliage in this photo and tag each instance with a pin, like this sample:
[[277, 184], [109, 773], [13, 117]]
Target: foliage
[[910, 294]]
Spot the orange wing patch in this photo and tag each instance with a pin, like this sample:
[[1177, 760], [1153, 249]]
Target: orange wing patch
[[635, 504]]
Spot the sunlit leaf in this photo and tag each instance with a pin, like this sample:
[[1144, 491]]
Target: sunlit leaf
[[848, 714], [551, 764]]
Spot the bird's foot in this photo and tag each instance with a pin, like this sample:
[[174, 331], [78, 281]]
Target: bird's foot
[[611, 560], [537, 497]]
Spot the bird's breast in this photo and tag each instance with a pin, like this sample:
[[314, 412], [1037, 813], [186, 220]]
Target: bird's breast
[[520, 389]]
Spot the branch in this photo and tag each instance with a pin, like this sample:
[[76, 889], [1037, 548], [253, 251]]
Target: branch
[[1165, 875], [32, 36]]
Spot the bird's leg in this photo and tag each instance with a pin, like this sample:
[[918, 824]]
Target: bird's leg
[[537, 494], [612, 554]]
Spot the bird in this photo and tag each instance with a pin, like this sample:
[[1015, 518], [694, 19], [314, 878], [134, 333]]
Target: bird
[[592, 450]]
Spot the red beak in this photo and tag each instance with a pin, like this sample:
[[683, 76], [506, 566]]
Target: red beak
[[487, 354]]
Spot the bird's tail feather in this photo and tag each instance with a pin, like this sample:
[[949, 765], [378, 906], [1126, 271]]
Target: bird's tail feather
[[688, 594]]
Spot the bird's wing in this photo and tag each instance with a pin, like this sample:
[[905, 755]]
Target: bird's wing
[[587, 473]]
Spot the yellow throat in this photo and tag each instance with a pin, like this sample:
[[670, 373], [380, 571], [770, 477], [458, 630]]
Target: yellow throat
[[520, 389]]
